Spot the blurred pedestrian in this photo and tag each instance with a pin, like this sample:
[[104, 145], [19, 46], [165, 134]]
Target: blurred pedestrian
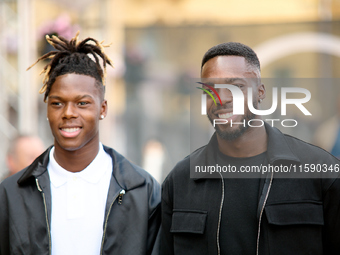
[[327, 135], [22, 151]]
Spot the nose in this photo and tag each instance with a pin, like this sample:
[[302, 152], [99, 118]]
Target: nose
[[70, 111], [225, 95]]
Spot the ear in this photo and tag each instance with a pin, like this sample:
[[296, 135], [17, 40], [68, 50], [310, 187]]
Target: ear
[[261, 92], [103, 108]]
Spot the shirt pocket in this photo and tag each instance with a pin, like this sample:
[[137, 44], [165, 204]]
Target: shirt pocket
[[188, 221], [188, 229], [295, 227]]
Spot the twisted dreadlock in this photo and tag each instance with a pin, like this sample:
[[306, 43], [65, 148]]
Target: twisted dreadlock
[[72, 57]]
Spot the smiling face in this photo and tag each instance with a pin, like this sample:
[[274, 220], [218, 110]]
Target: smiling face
[[232, 70], [74, 106]]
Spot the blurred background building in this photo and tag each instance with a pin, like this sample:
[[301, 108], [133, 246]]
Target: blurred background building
[[157, 49]]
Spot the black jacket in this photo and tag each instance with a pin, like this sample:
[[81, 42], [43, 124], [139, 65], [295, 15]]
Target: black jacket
[[131, 223], [296, 216]]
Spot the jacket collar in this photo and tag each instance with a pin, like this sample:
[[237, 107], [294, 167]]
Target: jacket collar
[[277, 150], [37, 168], [123, 171]]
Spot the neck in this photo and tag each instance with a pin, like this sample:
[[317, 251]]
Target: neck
[[76, 160], [253, 142]]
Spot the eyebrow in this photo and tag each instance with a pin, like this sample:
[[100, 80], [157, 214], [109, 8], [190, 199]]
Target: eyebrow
[[232, 80], [76, 98], [225, 80]]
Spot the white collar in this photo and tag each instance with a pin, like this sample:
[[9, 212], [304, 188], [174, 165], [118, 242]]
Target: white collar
[[92, 173]]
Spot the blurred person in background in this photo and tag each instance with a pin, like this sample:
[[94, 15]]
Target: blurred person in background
[[22, 151], [153, 158], [79, 197], [327, 136]]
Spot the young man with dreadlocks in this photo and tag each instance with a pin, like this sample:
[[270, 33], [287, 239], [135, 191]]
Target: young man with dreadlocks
[[78, 197]]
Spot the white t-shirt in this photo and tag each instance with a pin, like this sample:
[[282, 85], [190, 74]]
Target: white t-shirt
[[78, 205]]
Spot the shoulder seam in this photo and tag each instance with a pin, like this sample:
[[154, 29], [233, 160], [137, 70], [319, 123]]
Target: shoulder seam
[[313, 145]]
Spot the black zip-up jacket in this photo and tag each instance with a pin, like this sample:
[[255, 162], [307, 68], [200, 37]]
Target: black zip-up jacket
[[295, 216], [131, 223]]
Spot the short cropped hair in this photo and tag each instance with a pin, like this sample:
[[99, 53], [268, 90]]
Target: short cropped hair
[[233, 49]]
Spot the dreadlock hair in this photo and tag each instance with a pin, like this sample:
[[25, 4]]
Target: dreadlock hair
[[234, 49], [72, 57]]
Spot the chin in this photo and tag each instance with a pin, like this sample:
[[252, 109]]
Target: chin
[[230, 135], [69, 146]]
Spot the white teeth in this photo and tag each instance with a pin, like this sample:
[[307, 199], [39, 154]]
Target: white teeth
[[70, 130], [225, 115]]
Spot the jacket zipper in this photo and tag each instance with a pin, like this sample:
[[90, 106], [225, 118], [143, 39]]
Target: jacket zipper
[[120, 195], [46, 217], [264, 203], [219, 217]]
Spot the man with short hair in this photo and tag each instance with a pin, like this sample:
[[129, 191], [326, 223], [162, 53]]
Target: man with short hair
[[214, 214], [79, 196]]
